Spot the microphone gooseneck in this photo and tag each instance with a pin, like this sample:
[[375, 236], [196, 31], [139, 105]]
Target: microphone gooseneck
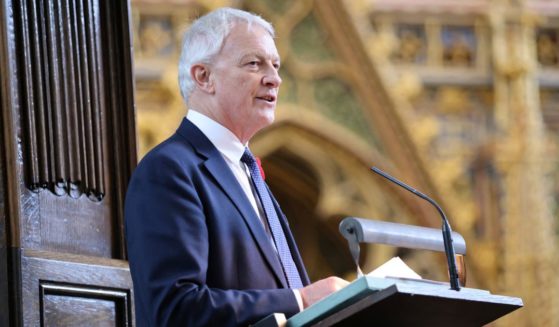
[[446, 230]]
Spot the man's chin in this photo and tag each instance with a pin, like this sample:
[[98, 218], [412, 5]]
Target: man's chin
[[265, 120], [267, 115], [270, 119]]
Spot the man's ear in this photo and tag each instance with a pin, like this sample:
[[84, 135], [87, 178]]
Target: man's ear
[[201, 76]]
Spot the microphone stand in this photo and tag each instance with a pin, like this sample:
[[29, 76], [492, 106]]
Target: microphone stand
[[446, 230]]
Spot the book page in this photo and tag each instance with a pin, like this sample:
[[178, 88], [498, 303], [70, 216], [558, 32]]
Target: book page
[[394, 267]]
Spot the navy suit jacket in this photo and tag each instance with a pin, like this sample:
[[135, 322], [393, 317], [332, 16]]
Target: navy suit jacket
[[198, 253]]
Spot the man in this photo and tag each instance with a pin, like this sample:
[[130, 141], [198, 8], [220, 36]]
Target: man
[[208, 245]]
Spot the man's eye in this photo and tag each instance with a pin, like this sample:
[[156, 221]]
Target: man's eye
[[253, 63]]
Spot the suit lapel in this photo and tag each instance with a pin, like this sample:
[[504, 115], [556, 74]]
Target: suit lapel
[[217, 167]]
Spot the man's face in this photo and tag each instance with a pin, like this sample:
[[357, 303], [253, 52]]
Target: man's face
[[246, 80]]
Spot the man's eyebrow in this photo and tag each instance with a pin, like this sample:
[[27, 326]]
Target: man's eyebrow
[[260, 55]]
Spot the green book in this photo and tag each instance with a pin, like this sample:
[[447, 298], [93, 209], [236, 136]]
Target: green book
[[355, 291]]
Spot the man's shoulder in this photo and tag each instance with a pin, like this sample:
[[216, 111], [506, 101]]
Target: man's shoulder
[[173, 149], [183, 151], [179, 144]]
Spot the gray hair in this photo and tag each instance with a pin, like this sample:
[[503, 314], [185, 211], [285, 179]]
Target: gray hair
[[205, 37]]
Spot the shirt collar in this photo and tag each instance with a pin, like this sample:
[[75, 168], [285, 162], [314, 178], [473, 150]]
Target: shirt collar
[[221, 137]]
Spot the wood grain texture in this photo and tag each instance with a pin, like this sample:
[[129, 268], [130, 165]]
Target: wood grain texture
[[60, 310], [71, 124], [65, 289], [3, 226], [64, 103], [66, 153], [8, 185]]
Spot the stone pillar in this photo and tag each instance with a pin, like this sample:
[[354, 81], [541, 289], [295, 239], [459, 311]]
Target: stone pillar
[[528, 227]]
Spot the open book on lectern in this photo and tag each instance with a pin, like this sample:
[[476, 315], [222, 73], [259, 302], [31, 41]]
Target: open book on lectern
[[380, 278], [395, 268]]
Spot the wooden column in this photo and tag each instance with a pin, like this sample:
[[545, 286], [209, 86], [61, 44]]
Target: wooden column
[[67, 152]]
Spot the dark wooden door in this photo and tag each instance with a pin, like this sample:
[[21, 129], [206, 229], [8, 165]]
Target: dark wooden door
[[67, 151]]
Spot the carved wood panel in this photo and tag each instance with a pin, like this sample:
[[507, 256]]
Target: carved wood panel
[[71, 291], [63, 97], [76, 121], [67, 152]]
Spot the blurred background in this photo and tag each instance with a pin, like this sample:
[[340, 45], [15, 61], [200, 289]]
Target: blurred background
[[456, 98]]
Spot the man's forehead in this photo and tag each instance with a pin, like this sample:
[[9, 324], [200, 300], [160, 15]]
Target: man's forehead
[[251, 40], [245, 27]]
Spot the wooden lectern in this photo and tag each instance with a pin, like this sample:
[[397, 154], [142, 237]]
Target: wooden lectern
[[370, 301]]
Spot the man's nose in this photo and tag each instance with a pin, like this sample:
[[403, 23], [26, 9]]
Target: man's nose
[[272, 78]]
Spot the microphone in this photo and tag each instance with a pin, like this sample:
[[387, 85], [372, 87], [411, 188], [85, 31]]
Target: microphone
[[446, 230]]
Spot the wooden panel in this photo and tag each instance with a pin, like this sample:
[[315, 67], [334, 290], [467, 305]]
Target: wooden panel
[[61, 224], [7, 282], [66, 153], [75, 311], [66, 290], [63, 103], [3, 240], [75, 113], [69, 305], [119, 90]]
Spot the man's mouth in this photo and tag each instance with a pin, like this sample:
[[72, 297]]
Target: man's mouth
[[267, 98]]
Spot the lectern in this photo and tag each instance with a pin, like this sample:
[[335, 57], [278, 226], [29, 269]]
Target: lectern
[[372, 301]]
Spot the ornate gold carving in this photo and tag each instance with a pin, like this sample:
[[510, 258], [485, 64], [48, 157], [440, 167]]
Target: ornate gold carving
[[479, 177], [548, 47], [528, 240], [459, 45], [412, 45], [471, 107]]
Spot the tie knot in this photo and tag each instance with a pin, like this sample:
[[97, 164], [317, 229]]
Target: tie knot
[[248, 158]]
